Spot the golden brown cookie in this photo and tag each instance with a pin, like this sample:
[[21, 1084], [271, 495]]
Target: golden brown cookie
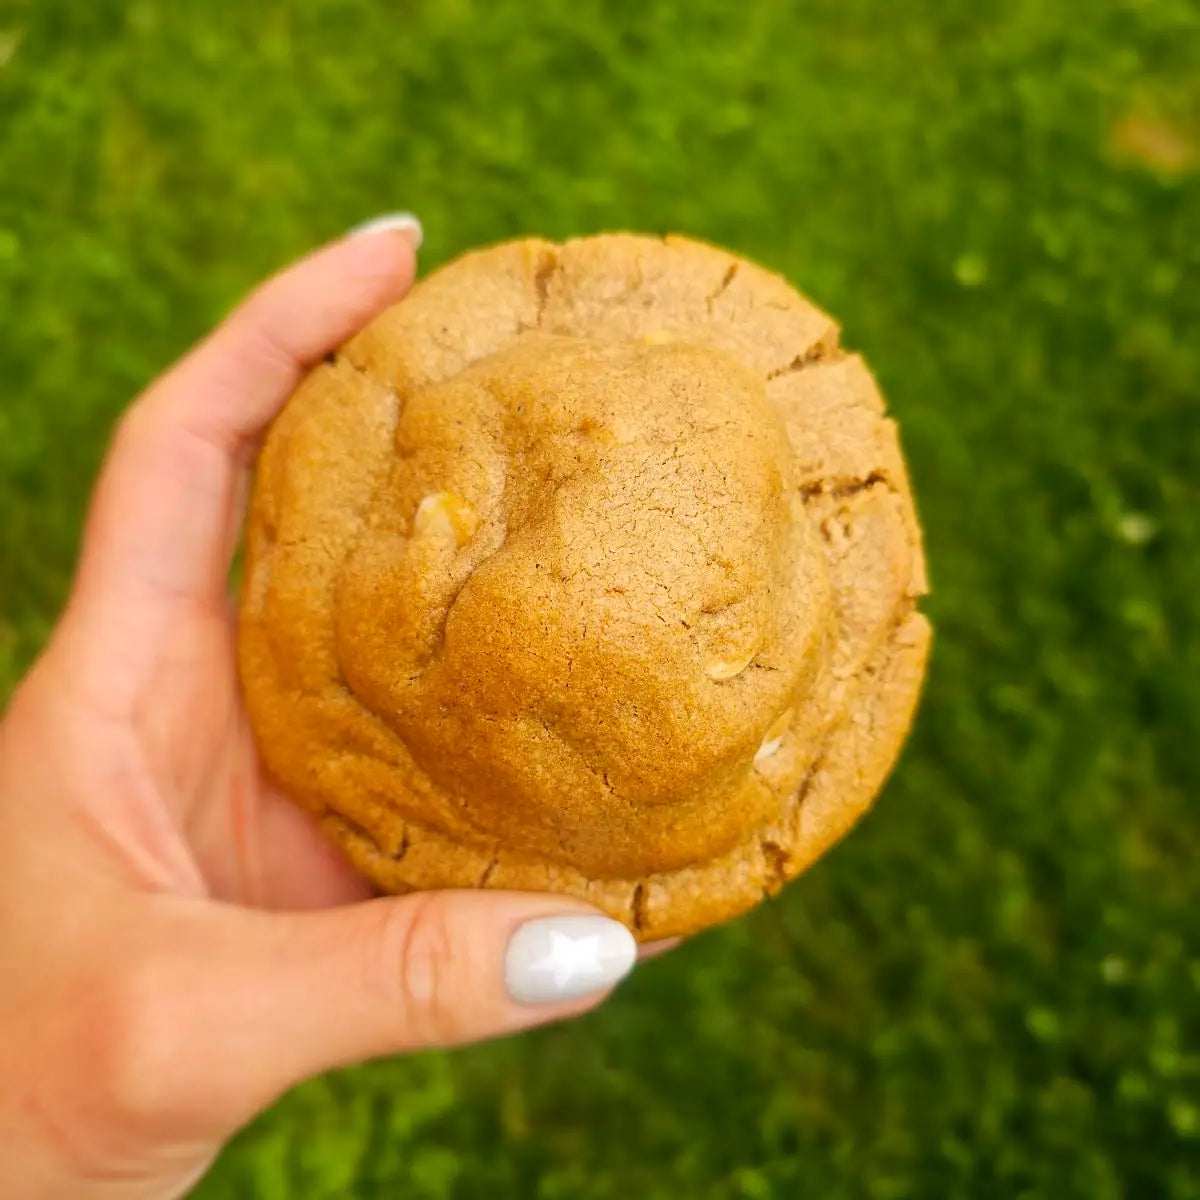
[[589, 568]]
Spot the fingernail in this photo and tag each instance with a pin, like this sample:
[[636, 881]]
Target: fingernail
[[654, 949], [404, 221], [557, 958]]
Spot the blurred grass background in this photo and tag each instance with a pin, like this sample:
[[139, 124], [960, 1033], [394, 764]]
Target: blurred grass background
[[993, 988]]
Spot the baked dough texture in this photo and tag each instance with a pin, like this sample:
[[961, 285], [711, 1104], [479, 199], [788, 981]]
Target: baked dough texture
[[588, 568]]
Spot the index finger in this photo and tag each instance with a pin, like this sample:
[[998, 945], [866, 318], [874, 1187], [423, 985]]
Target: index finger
[[165, 514]]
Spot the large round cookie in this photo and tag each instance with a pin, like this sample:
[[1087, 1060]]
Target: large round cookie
[[589, 568]]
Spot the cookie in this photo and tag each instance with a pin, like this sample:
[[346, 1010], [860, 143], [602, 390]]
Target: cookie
[[589, 568]]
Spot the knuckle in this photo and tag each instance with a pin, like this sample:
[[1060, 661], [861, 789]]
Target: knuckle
[[255, 336], [425, 964], [139, 431], [105, 1095], [129, 424], [134, 1045]]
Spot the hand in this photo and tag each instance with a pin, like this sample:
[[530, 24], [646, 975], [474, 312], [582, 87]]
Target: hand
[[178, 945]]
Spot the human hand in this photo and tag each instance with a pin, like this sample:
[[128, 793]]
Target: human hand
[[178, 945]]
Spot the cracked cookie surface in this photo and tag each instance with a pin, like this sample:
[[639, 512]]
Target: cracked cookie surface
[[589, 568]]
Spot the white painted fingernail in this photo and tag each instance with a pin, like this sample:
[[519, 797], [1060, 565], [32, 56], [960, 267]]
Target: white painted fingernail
[[404, 221], [557, 958]]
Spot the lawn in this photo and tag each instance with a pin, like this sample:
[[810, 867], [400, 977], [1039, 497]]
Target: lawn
[[992, 989]]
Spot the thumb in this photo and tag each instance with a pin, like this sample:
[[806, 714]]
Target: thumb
[[270, 999]]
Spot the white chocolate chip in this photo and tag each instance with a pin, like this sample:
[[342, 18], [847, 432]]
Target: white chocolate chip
[[767, 749], [446, 515], [774, 736], [722, 668]]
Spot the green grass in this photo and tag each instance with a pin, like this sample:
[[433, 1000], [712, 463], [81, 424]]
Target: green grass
[[993, 988]]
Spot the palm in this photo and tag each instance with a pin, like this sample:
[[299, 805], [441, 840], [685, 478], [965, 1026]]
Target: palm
[[250, 844]]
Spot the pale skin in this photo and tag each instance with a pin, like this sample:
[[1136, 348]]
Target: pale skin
[[178, 944]]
